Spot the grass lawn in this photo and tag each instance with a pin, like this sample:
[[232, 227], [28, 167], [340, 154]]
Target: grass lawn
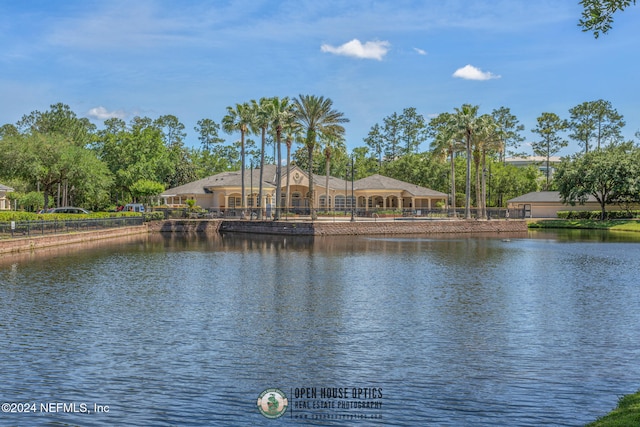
[[626, 414], [618, 224]]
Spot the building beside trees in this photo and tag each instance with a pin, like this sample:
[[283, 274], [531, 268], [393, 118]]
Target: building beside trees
[[222, 193], [4, 202]]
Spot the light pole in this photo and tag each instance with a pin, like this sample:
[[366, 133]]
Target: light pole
[[346, 189], [251, 195], [353, 218]]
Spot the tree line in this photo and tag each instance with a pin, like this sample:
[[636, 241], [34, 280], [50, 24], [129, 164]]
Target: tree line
[[57, 158]]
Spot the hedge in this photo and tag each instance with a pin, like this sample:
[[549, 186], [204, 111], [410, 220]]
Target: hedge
[[30, 216], [626, 214]]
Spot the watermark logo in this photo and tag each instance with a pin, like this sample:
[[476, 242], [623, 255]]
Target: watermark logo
[[273, 403]]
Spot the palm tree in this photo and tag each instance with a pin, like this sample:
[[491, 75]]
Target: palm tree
[[240, 120], [484, 140], [317, 116], [464, 122], [330, 143], [281, 114], [292, 133], [446, 141], [261, 111]]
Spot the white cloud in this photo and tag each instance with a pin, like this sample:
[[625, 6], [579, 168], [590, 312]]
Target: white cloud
[[369, 50], [101, 113], [469, 72], [420, 51]]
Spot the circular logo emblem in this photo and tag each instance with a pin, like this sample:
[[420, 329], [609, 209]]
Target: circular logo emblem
[[272, 403]]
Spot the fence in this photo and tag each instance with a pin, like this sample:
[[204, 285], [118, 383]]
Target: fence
[[15, 229], [343, 214]]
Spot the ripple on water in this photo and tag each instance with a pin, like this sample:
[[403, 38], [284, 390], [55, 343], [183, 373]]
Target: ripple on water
[[456, 332]]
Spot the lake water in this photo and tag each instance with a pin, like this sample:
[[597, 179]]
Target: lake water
[[534, 329]]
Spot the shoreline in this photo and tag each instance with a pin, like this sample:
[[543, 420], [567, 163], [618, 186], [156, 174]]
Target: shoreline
[[322, 227], [340, 228], [287, 228], [626, 413], [630, 225], [30, 244]]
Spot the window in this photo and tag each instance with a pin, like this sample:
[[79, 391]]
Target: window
[[234, 202], [323, 201], [344, 202], [296, 199]]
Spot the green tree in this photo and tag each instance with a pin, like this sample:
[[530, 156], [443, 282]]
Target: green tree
[[59, 120], [610, 175], [423, 169], [282, 115], [400, 134], [263, 115], [8, 130], [465, 122], [446, 142], [317, 116], [548, 127], [144, 189], [485, 140], [239, 119], [392, 137], [375, 142], [509, 129], [595, 121], [509, 181], [292, 131], [182, 169], [331, 145], [89, 180], [597, 15], [49, 161], [209, 162], [364, 163], [32, 201], [208, 133], [133, 152], [413, 129]]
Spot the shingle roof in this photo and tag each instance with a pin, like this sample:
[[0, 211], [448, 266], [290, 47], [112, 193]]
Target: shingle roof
[[233, 179], [542, 197], [5, 188], [380, 182]]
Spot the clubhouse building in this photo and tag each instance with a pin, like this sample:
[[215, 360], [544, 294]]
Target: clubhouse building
[[222, 193], [4, 201]]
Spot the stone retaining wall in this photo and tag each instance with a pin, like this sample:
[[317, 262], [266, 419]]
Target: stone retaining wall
[[38, 242], [370, 227], [186, 226], [318, 228]]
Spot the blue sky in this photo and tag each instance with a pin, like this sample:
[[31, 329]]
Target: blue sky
[[194, 58]]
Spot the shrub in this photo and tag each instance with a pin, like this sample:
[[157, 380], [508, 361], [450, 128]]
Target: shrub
[[30, 216], [595, 215], [153, 216]]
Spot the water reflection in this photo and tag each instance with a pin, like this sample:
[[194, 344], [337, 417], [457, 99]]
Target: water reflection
[[526, 329]]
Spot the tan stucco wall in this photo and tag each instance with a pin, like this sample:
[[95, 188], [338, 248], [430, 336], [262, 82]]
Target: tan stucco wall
[[550, 210]]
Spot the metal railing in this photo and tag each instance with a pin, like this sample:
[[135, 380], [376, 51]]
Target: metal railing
[[17, 229], [304, 213]]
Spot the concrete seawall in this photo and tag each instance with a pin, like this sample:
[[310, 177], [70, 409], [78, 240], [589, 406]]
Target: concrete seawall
[[301, 228], [38, 242], [371, 228], [185, 226]]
